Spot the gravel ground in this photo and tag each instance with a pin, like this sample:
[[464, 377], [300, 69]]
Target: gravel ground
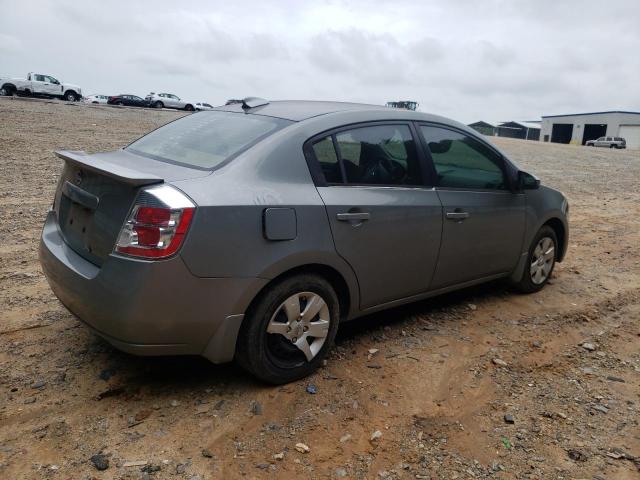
[[483, 383]]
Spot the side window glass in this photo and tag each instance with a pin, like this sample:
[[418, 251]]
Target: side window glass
[[328, 160], [380, 155], [39, 78], [463, 162]]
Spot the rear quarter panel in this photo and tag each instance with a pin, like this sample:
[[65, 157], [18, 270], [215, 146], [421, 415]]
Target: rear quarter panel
[[227, 237]]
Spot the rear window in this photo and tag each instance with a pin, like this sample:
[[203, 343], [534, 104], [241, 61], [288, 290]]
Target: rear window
[[206, 139]]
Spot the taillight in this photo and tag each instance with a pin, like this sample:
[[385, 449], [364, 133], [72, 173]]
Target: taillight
[[157, 225]]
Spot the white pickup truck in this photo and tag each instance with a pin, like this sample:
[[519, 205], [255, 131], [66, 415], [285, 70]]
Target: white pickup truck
[[38, 84]]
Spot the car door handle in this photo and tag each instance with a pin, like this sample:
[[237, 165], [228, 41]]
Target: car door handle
[[358, 216], [457, 215]]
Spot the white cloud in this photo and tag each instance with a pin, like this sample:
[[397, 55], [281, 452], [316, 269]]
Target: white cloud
[[489, 60]]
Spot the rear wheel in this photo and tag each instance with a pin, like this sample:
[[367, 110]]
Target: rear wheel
[[289, 330], [540, 262], [3, 91]]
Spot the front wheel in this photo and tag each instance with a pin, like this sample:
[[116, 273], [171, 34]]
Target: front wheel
[[540, 261], [287, 333], [158, 105], [70, 97], [189, 108]]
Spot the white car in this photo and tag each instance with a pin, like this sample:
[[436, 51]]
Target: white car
[[38, 84], [203, 106], [96, 99], [169, 100]]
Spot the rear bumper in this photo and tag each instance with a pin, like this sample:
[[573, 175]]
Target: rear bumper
[[148, 307]]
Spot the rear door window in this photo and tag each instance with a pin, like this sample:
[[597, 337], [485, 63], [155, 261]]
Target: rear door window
[[461, 161], [380, 155], [206, 140], [328, 160]]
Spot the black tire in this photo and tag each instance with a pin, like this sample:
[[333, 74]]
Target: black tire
[[189, 108], [526, 284], [4, 91], [158, 105], [70, 96], [271, 357], [119, 103]]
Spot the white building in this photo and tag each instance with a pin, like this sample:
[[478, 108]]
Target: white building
[[577, 128]]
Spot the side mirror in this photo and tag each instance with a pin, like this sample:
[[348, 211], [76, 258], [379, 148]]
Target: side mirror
[[526, 181]]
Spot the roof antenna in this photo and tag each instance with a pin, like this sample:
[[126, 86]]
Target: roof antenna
[[253, 102]]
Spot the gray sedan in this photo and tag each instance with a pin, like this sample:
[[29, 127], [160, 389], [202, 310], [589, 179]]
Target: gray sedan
[[251, 231]]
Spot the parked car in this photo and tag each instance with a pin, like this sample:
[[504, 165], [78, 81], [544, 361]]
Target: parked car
[[608, 142], [128, 100], [316, 213], [203, 106], [169, 100], [40, 85], [96, 99]]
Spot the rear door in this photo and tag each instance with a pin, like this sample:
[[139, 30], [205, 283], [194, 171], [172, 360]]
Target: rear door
[[386, 222], [38, 83], [483, 225]]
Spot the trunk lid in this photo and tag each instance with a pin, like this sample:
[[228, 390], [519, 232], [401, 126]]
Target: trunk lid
[[96, 192]]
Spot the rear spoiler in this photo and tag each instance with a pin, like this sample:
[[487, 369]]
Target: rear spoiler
[[110, 169]]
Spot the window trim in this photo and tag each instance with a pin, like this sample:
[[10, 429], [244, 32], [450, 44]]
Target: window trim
[[317, 174], [509, 170]]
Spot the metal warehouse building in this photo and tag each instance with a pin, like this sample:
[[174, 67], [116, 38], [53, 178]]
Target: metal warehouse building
[[577, 128], [522, 130]]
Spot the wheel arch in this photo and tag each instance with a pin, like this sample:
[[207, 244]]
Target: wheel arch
[[346, 297], [10, 87], [76, 96], [222, 345], [561, 233]]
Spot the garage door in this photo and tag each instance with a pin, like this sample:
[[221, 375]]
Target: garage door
[[631, 133]]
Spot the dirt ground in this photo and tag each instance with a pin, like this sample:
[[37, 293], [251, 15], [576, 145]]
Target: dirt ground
[[424, 376]]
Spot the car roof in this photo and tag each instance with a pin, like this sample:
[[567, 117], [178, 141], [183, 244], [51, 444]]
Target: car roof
[[298, 110]]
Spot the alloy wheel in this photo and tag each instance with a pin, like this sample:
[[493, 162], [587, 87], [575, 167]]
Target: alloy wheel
[[301, 321], [542, 260]]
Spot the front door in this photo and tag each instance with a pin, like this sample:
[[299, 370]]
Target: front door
[[39, 84], [385, 223], [483, 225]]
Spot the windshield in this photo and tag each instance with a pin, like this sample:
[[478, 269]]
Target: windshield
[[206, 139]]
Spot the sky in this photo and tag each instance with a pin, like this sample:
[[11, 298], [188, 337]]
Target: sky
[[492, 60]]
